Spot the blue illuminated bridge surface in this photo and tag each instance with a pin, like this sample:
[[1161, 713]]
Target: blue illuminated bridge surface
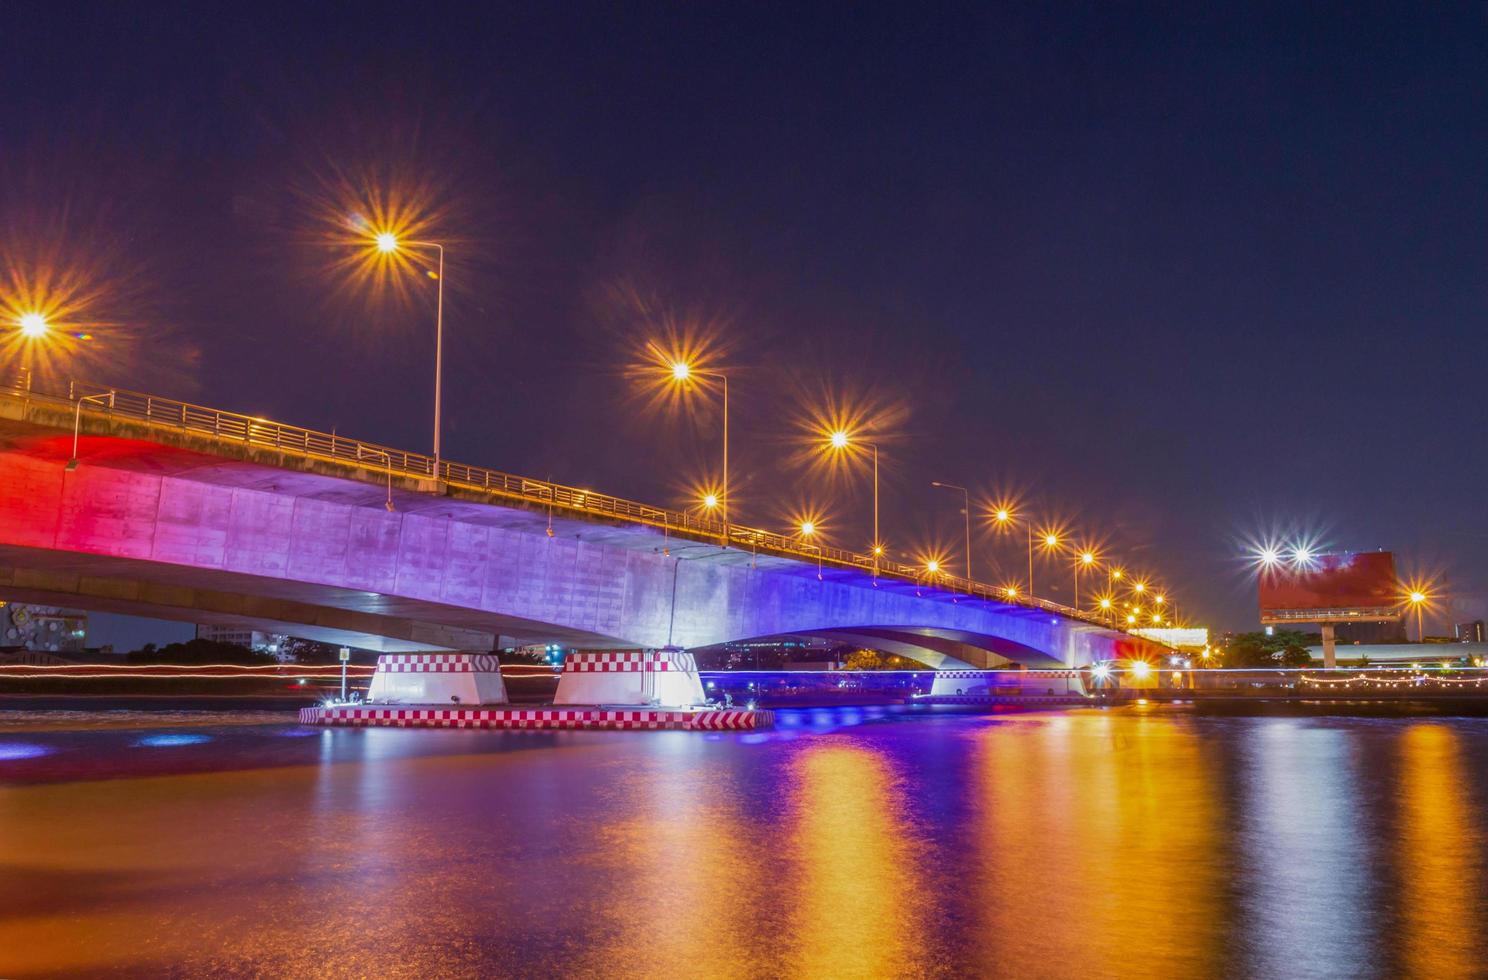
[[1128, 842]]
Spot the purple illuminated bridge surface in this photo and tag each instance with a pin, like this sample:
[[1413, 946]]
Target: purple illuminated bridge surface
[[178, 524]]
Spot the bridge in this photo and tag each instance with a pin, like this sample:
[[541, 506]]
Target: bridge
[[126, 502]]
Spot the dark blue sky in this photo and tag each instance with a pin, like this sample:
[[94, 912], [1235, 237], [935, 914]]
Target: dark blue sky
[[1177, 276]]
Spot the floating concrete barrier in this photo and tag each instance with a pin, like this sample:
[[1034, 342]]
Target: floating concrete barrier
[[666, 678], [547, 717], [437, 679], [1007, 683]]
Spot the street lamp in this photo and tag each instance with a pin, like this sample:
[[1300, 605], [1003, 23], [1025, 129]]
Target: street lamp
[[1049, 543], [966, 513], [839, 441], [806, 531], [682, 373], [1418, 599], [1085, 561], [388, 243], [1004, 517]]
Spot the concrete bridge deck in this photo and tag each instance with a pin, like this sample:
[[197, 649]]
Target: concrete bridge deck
[[185, 512]]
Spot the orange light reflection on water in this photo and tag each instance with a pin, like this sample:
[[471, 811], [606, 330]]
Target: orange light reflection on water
[[1441, 866], [1100, 832]]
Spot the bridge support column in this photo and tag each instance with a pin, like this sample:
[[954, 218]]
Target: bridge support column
[[437, 679], [667, 678], [1330, 656]]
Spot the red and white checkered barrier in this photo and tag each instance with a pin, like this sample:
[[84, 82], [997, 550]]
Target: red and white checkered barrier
[[437, 663], [1002, 699], [625, 719], [1011, 675], [630, 661]]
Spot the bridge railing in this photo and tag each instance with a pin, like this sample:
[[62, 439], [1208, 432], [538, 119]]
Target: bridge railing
[[255, 431]]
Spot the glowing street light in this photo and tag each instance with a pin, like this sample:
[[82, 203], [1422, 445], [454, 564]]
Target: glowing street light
[[806, 530], [388, 243], [932, 566], [710, 500], [682, 373], [1049, 539], [1417, 599], [33, 326], [839, 440], [1085, 560]]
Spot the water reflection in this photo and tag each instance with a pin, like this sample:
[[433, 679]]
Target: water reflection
[[1104, 843], [858, 905], [1440, 857], [1105, 831], [1305, 856]]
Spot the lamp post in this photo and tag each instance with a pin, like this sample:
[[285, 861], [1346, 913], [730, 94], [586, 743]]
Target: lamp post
[[682, 373], [77, 422], [841, 441], [1418, 599], [1086, 560], [966, 513], [806, 531], [389, 244]]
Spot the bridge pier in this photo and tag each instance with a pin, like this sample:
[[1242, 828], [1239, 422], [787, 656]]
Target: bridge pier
[[437, 678], [667, 677]]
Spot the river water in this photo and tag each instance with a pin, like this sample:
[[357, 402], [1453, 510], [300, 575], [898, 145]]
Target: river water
[[1137, 841]]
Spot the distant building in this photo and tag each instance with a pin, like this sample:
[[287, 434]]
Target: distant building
[[1472, 632], [241, 636], [1371, 633]]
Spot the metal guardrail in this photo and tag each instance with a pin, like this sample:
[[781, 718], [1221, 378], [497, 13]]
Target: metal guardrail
[[254, 431]]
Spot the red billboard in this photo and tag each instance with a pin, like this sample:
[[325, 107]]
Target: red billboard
[[1334, 587]]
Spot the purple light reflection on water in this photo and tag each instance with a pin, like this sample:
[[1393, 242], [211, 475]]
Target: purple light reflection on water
[[15, 751]]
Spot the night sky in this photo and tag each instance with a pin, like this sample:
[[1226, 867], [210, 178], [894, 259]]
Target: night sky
[[1176, 278]]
